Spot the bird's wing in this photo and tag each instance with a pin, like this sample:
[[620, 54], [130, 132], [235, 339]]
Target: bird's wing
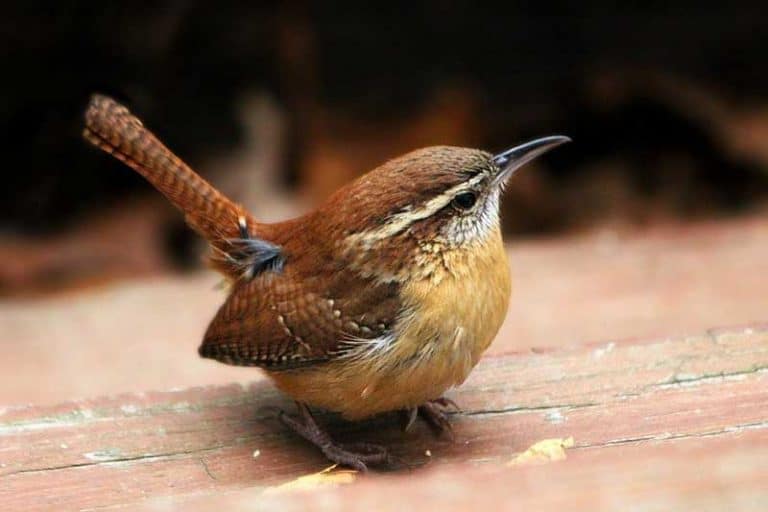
[[280, 320]]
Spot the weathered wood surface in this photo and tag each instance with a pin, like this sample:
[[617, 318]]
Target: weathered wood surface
[[701, 474], [678, 406]]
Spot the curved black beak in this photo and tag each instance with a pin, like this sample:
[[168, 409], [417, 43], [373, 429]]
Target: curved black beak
[[512, 159]]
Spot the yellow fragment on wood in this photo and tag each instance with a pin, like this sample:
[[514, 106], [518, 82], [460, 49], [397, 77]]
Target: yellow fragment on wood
[[543, 451], [326, 477]]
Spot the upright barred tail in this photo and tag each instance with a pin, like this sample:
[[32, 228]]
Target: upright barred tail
[[225, 224]]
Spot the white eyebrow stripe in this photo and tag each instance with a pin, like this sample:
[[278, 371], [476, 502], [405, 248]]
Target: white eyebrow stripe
[[400, 221]]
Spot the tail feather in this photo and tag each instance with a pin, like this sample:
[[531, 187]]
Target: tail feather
[[112, 128]]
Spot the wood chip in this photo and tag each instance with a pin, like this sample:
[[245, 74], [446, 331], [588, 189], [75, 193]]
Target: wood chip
[[543, 451], [326, 477]]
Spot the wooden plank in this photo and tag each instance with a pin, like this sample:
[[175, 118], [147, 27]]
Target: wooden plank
[[702, 474], [124, 449]]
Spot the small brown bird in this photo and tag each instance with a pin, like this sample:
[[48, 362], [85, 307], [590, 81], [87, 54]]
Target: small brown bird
[[379, 300]]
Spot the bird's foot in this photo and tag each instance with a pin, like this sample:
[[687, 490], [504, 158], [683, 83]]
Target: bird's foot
[[355, 455], [435, 413]]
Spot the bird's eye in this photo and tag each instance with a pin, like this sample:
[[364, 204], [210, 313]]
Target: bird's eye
[[465, 200]]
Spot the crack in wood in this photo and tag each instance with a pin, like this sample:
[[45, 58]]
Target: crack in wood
[[207, 470], [526, 409], [675, 437], [715, 378], [116, 461]]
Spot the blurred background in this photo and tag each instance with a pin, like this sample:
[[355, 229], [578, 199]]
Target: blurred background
[[651, 223]]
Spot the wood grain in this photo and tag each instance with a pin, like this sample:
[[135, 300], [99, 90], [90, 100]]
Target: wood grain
[[702, 474], [616, 400]]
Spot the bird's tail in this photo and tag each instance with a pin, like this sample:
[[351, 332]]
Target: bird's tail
[[224, 223]]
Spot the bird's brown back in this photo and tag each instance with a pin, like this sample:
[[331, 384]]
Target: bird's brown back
[[303, 304]]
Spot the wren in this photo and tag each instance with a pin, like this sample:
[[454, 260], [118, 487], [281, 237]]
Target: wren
[[379, 300]]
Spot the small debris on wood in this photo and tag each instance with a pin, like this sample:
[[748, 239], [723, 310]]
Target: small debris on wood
[[324, 478], [544, 451]]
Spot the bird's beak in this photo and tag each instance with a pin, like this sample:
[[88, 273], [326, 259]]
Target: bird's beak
[[512, 159]]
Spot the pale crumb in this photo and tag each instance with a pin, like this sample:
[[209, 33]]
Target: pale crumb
[[600, 352], [428, 453], [544, 451], [129, 409], [256, 454], [329, 477]]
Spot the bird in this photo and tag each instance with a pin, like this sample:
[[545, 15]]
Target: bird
[[381, 299]]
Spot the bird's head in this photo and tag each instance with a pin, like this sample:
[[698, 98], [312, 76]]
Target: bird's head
[[436, 195]]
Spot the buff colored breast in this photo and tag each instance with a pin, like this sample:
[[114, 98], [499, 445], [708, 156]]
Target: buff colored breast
[[449, 320]]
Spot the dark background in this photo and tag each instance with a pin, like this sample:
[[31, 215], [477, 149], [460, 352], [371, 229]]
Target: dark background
[[667, 106]]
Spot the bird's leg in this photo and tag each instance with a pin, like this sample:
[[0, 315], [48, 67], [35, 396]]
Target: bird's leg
[[355, 455], [435, 413], [447, 404]]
